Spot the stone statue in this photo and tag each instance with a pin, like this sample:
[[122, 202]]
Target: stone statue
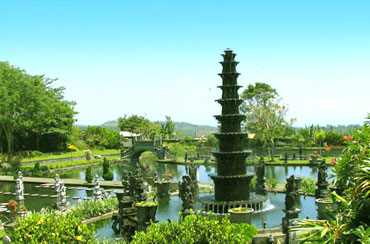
[[291, 194], [97, 189], [322, 190], [19, 187], [259, 168], [57, 183], [186, 194], [62, 203]]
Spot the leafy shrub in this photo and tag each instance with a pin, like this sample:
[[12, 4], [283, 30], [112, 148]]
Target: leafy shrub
[[35, 153], [44, 168], [253, 183], [36, 170], [89, 175], [107, 172], [308, 185], [89, 209], [196, 229], [352, 195], [49, 227], [271, 183]]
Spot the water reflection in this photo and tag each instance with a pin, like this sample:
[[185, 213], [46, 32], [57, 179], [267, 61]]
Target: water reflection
[[280, 173]]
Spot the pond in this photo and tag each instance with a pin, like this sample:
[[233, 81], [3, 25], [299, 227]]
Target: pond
[[168, 208], [280, 173]]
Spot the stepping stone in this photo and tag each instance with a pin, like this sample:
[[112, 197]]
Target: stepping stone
[[108, 190], [37, 186], [76, 197], [68, 196], [7, 193], [1, 192], [3, 204], [88, 189], [71, 188], [3, 210], [26, 194], [53, 196], [44, 195], [80, 188], [87, 198], [34, 195], [14, 194]]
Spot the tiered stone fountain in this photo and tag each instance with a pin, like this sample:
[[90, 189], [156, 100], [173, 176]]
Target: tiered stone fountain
[[231, 180]]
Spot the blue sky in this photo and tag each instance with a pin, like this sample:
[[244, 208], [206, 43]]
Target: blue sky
[[157, 58]]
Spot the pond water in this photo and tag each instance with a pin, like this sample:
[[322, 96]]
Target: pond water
[[168, 208], [280, 173]]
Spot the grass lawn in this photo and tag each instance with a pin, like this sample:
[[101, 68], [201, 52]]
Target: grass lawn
[[79, 153], [65, 164]]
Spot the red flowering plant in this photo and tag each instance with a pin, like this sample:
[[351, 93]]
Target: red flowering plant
[[315, 154], [14, 208]]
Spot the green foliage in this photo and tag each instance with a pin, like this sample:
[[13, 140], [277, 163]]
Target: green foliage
[[107, 172], [135, 124], [308, 185], [146, 204], [352, 183], [37, 170], [176, 149], [33, 114], [89, 209], [264, 116], [99, 137], [89, 175], [165, 129], [35, 153], [253, 183], [196, 229], [49, 227], [271, 183]]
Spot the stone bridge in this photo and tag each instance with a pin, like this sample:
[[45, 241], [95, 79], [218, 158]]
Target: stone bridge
[[138, 147]]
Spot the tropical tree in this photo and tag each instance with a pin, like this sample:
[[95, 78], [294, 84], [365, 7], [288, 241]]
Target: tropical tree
[[29, 104], [135, 124], [96, 136], [264, 115]]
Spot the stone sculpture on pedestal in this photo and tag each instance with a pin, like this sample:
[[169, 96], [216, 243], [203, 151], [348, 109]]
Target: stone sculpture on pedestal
[[322, 190]]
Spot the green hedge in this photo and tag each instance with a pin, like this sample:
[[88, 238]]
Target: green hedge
[[197, 229], [49, 227]]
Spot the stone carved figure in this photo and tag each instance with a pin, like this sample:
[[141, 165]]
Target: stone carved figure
[[291, 194], [97, 189], [259, 168], [62, 203], [322, 173], [322, 190], [19, 187], [57, 183], [186, 194]]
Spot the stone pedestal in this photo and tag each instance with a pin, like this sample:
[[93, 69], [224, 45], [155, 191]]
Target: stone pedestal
[[241, 216], [290, 221]]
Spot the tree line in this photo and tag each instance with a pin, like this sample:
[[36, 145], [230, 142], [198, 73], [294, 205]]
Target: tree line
[[35, 116]]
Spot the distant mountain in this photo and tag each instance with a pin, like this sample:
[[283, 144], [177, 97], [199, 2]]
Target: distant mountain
[[194, 130], [188, 129]]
